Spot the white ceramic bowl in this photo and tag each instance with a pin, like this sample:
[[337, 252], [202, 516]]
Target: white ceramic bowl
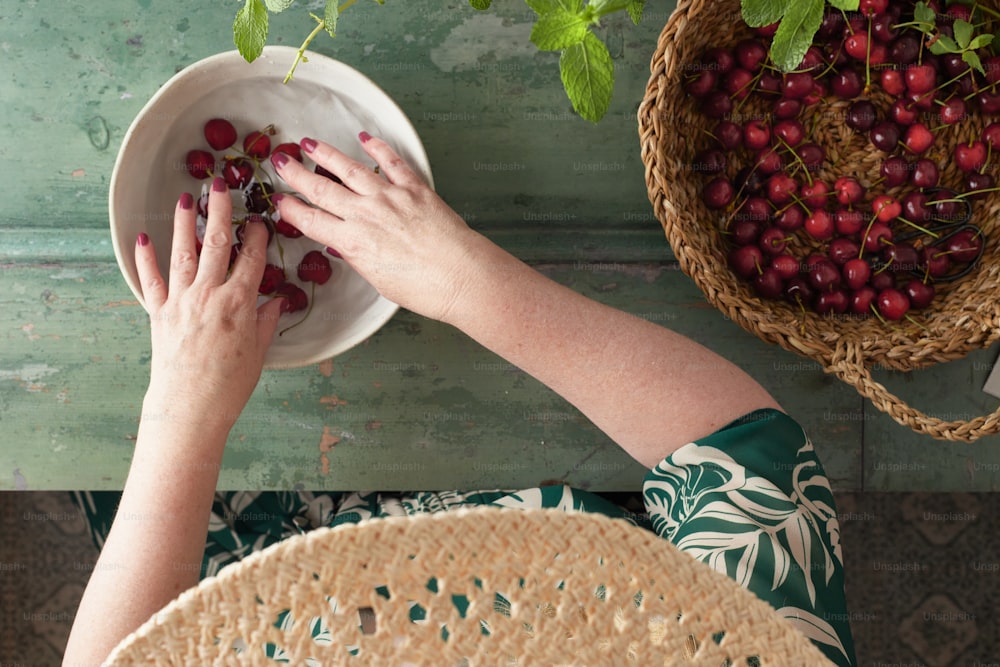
[[326, 100]]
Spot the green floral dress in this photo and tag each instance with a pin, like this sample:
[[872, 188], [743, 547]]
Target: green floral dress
[[751, 500]]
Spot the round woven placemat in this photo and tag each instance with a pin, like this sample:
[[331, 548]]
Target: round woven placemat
[[965, 315], [577, 589]]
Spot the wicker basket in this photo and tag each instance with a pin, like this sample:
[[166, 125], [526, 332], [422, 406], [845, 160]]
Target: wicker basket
[[965, 315]]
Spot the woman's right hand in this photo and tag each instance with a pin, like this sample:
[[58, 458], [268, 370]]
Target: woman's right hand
[[394, 231]]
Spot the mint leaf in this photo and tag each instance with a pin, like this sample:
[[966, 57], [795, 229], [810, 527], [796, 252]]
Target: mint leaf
[[944, 44], [481, 5], [250, 29], [635, 10], [543, 6], [846, 5], [963, 33], [922, 13], [795, 33], [330, 15], [278, 6], [980, 42], [558, 29], [759, 13], [971, 59], [602, 7], [588, 75]]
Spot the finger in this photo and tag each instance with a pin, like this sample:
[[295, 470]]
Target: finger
[[267, 323], [216, 247], [317, 224], [249, 266], [183, 253], [319, 190], [154, 288], [390, 164], [357, 176]]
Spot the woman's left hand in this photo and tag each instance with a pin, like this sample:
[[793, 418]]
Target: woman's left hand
[[209, 337]]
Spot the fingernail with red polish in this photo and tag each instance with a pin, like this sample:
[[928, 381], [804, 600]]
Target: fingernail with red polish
[[142, 239], [334, 253], [279, 160], [308, 145], [364, 137], [276, 198], [219, 185], [186, 201]]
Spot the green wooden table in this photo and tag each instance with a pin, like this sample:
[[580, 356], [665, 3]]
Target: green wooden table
[[419, 405]]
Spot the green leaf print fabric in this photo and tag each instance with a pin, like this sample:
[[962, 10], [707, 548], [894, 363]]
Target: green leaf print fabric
[[751, 501]]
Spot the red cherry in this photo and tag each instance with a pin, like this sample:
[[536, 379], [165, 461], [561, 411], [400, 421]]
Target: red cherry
[[315, 268], [919, 293], [893, 82], [877, 236], [238, 172], [746, 261], [815, 194], [842, 250], [257, 145], [294, 151], [918, 138], [199, 164], [286, 229], [954, 111], [756, 135], [834, 301], [295, 298], [791, 219], [849, 221], [861, 300], [970, 157], [991, 136], [893, 304], [786, 266], [886, 208], [773, 241], [820, 225], [273, 277], [857, 272], [220, 133], [849, 190], [701, 83], [920, 79]]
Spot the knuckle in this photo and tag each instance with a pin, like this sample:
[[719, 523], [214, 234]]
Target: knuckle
[[315, 189], [183, 259], [356, 169], [217, 239]]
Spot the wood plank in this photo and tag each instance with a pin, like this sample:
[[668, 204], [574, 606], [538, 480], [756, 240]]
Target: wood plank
[[418, 405], [501, 135]]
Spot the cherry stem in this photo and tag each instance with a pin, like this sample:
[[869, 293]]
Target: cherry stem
[[312, 302], [917, 323], [878, 314], [916, 226], [868, 58]]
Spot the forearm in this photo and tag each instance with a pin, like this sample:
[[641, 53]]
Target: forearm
[[648, 388], [155, 546]]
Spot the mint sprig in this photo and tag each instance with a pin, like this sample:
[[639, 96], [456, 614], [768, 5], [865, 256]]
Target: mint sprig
[[964, 43], [798, 21], [585, 65]]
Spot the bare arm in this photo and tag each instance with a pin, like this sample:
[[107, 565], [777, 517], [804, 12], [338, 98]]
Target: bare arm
[[209, 340], [650, 389]]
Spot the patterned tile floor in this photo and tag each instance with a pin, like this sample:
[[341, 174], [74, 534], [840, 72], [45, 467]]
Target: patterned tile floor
[[923, 575]]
